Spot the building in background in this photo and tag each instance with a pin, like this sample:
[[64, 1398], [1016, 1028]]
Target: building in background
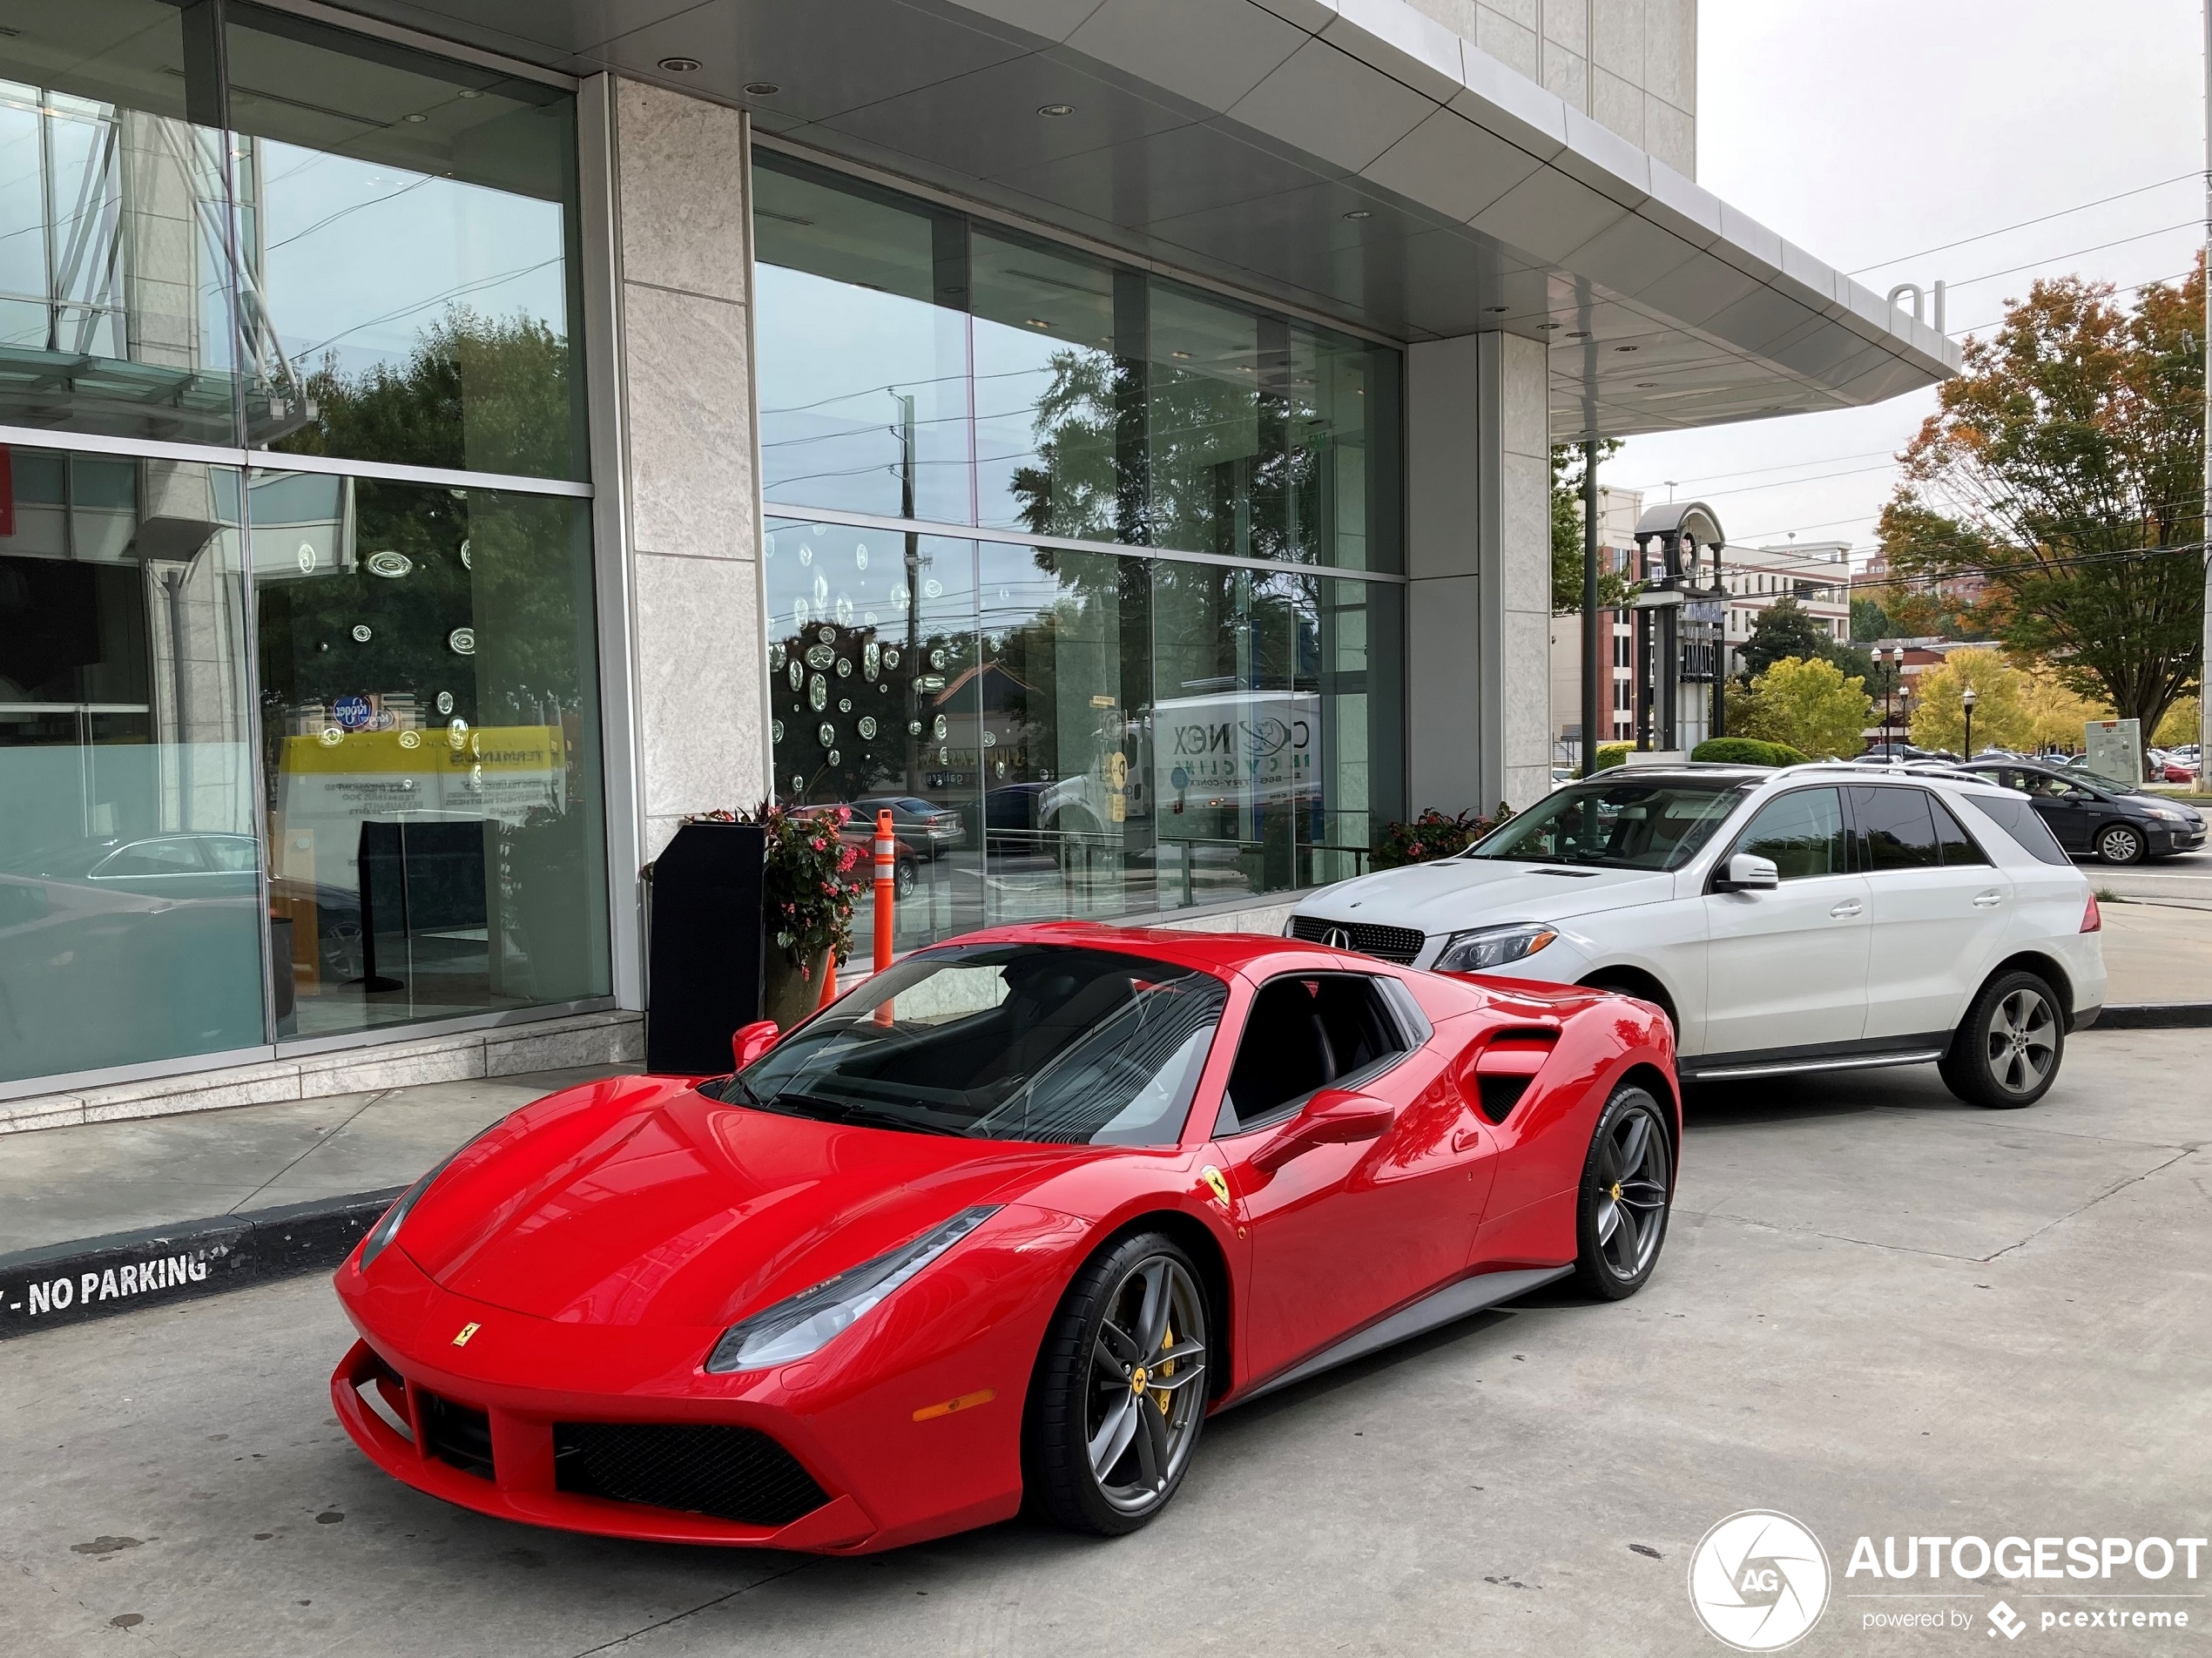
[[442, 449], [1817, 574]]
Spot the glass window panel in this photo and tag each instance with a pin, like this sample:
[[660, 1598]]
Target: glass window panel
[[1803, 833], [431, 747], [878, 700], [408, 229], [1896, 831], [115, 305], [1358, 632], [130, 928], [863, 352]]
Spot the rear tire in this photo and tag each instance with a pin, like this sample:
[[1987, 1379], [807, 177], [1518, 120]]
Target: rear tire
[[1104, 1452], [2119, 843], [1626, 1192], [2007, 1052]]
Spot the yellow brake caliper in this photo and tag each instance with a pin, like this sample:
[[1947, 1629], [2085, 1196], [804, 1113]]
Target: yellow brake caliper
[[1160, 1395]]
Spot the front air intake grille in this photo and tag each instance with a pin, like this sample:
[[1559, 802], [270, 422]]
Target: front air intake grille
[[727, 1473], [1398, 944], [457, 1434]]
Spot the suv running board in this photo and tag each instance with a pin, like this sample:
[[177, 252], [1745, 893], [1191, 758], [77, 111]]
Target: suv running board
[[1788, 1067], [1454, 1301]]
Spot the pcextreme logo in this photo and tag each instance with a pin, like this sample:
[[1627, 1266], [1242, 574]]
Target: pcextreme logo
[[1759, 1580]]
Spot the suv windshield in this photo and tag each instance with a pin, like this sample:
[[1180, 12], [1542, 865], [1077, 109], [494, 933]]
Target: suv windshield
[[1616, 823], [1002, 1041]]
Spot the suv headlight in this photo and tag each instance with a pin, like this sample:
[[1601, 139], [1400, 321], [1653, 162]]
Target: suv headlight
[[1492, 946], [812, 1319]]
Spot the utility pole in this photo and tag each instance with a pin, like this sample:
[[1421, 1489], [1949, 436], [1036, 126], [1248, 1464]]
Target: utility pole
[[2204, 531], [1589, 604]]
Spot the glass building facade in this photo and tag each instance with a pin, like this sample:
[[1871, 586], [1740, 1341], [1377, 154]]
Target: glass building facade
[[1088, 575], [291, 747]]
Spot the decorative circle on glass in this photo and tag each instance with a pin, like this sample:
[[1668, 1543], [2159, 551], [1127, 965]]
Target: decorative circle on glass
[[462, 642], [944, 756], [457, 731], [900, 597], [860, 555], [843, 609], [891, 657], [867, 726], [361, 634], [938, 730], [797, 673], [466, 562], [800, 615], [798, 786], [835, 756], [828, 733], [827, 636], [817, 693], [806, 555], [936, 658], [914, 728], [388, 564], [820, 656], [776, 655], [933, 589], [410, 739], [821, 593], [445, 702], [843, 704], [990, 739], [306, 557], [845, 667], [868, 617], [929, 682], [767, 547], [331, 737], [776, 730], [871, 660]]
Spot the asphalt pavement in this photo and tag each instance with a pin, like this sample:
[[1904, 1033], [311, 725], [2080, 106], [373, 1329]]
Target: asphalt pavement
[[1880, 1312]]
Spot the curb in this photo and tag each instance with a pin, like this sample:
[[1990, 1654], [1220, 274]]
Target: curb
[[97, 1278], [2156, 1015]]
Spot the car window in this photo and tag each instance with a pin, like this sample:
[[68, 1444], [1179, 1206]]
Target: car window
[[1802, 832], [234, 854], [174, 856], [1616, 822], [1959, 847], [2018, 819], [1896, 829], [1304, 1033]]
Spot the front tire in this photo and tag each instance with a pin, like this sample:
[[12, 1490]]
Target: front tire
[[2119, 843], [1119, 1396], [1627, 1193], [2007, 1051]]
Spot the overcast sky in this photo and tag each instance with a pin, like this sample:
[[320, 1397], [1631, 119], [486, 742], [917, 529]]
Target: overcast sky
[[1874, 129]]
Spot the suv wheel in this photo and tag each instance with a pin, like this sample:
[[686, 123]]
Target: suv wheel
[[2119, 843], [2007, 1052]]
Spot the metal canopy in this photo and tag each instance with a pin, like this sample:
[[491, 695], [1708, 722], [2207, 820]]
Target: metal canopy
[[1355, 159]]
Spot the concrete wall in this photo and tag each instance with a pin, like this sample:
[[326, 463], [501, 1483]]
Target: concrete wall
[[1478, 523], [1630, 65], [684, 303]]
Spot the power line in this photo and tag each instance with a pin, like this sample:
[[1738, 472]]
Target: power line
[[2052, 259], [2156, 281], [2042, 218]]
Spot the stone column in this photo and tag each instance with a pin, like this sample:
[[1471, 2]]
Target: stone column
[[1478, 447]]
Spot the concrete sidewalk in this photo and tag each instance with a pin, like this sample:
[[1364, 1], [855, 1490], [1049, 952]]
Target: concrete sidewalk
[[61, 1184]]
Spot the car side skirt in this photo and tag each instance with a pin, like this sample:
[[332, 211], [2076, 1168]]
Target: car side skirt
[[1455, 1301], [1827, 1057]]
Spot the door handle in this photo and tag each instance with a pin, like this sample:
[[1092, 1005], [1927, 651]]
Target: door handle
[[1465, 1138], [1849, 907], [1988, 900]]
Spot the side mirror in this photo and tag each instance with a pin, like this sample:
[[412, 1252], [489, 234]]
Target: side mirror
[[1747, 873], [750, 1041], [1332, 1118]]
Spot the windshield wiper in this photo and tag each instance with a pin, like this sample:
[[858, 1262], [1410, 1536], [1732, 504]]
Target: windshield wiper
[[871, 1116]]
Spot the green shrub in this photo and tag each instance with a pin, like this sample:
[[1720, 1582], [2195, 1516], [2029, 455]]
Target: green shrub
[[1747, 751], [1612, 754]]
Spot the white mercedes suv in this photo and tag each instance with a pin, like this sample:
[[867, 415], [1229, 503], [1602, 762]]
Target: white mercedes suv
[[1820, 917]]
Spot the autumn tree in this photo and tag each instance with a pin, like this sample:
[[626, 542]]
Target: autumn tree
[[2004, 713], [1614, 589], [1811, 705], [2066, 463]]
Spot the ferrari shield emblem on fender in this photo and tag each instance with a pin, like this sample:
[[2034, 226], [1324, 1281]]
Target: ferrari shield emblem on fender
[[467, 1331], [1217, 1184]]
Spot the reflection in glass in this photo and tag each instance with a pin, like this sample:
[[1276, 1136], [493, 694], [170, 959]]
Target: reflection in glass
[[406, 226], [115, 310], [129, 884], [430, 747]]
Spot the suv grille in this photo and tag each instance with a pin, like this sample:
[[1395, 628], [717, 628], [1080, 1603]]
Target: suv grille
[[1398, 944], [728, 1472], [457, 1434]]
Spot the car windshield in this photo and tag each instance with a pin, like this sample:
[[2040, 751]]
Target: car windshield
[[1002, 1041], [1616, 823]]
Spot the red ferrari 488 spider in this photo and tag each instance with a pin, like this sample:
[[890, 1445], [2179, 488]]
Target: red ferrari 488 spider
[[1010, 1220]]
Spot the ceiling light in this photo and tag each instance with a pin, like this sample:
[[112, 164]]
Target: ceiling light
[[1624, 348], [1578, 333], [1360, 212], [1646, 385], [1498, 310], [761, 89], [416, 117], [470, 92], [1037, 322], [1053, 111], [679, 65], [1548, 326], [1183, 356]]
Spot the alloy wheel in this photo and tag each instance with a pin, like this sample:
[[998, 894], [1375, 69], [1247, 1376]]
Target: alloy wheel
[[1143, 1410], [2119, 845], [1632, 1194], [2023, 1041]]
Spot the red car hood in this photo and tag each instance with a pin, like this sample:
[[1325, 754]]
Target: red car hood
[[645, 1202]]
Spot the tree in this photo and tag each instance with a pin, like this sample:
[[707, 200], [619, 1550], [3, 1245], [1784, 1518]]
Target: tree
[[1614, 589], [1870, 622], [2066, 463], [2003, 717], [2057, 712], [1810, 706], [1786, 628], [2179, 728]]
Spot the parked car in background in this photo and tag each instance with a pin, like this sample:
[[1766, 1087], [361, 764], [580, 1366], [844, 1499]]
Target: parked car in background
[[1822, 916], [2177, 770], [2098, 817], [859, 832], [929, 830]]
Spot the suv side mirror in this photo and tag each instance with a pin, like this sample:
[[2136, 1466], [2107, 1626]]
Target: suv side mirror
[[749, 1042], [1747, 873]]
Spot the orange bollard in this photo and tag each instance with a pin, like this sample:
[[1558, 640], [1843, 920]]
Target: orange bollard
[[829, 982], [886, 897]]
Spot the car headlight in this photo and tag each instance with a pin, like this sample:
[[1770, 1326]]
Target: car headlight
[[2166, 813], [810, 1320], [1492, 946], [388, 1228]]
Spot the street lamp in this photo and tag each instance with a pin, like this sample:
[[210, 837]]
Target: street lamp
[[1890, 687], [1966, 701]]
